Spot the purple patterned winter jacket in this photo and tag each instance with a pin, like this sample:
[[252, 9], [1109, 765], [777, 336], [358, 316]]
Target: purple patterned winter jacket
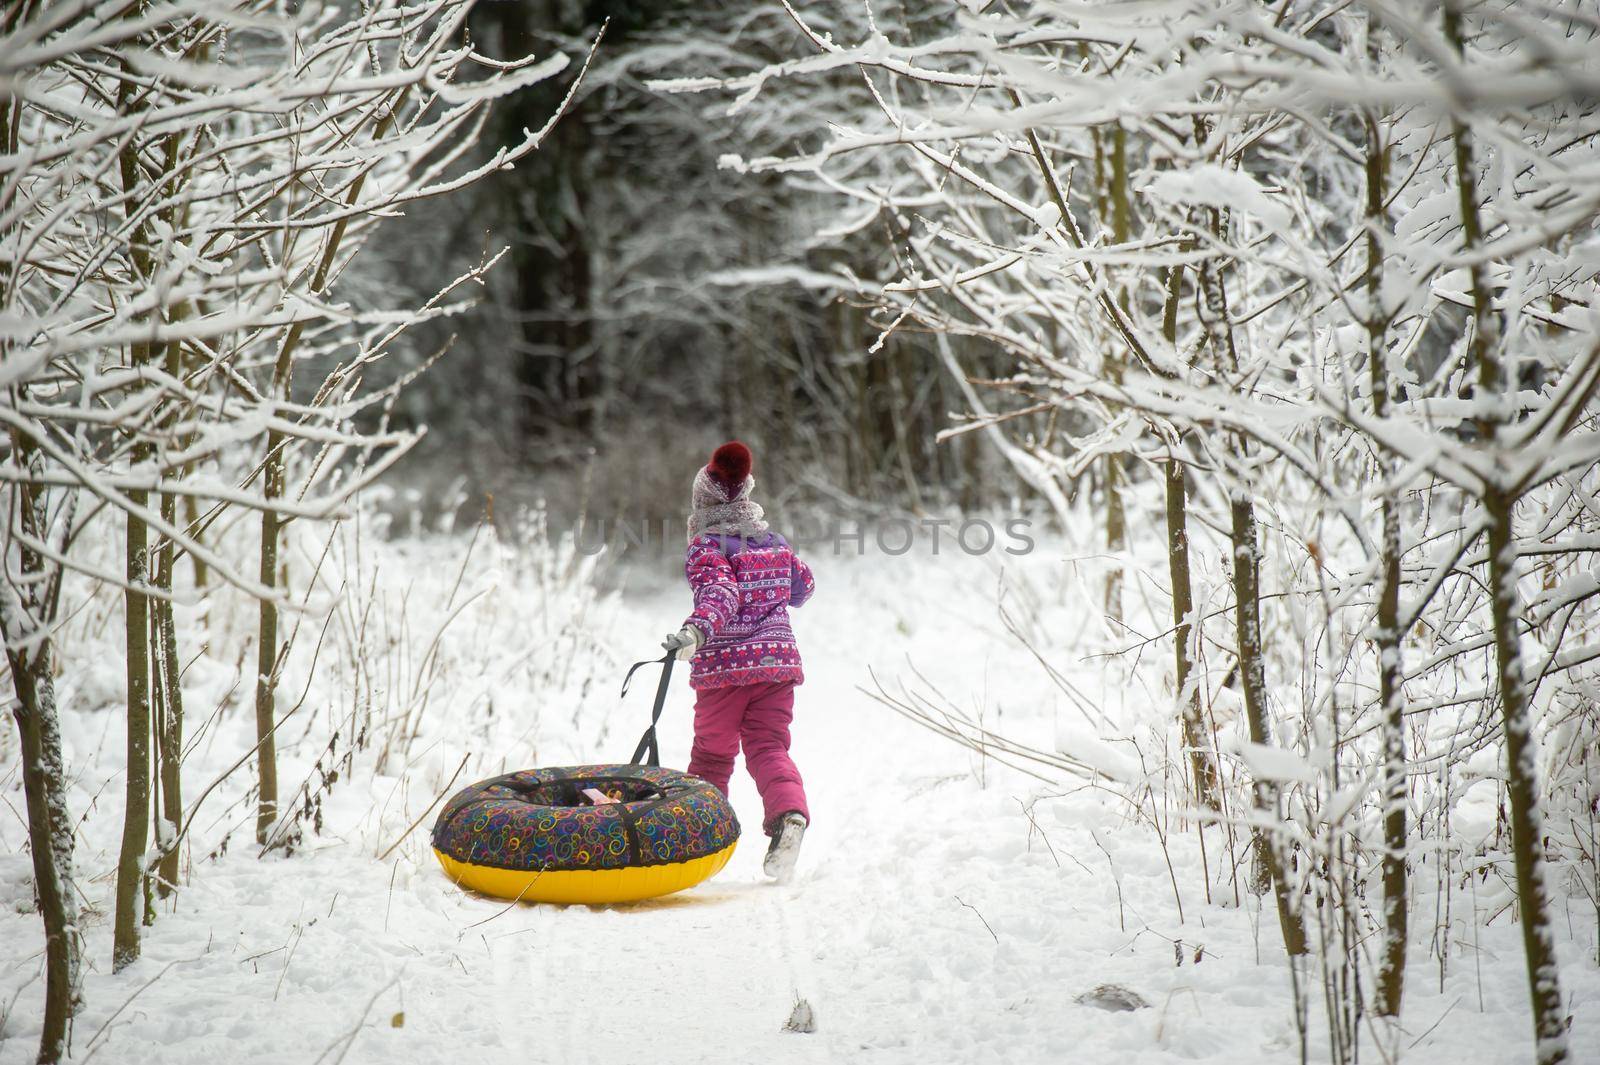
[[742, 593]]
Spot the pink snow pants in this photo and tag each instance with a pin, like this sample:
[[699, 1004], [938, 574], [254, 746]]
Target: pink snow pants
[[756, 716]]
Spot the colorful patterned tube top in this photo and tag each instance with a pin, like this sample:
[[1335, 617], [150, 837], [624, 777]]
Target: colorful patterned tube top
[[550, 835]]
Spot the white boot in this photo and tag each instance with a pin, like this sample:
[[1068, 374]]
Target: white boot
[[784, 850]]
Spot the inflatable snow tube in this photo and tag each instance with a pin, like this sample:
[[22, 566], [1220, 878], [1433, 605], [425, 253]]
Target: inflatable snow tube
[[548, 835]]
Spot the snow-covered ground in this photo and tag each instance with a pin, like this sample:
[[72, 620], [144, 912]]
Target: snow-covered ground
[[948, 909]]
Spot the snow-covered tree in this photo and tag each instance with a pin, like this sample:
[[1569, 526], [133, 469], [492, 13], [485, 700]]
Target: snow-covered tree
[[182, 187], [1329, 272]]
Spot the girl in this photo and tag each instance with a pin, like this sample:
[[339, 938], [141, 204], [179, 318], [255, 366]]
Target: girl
[[744, 664]]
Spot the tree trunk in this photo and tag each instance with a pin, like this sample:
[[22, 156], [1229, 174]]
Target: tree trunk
[[1499, 503], [136, 807], [1391, 976], [169, 732], [1391, 972], [267, 650], [49, 836], [29, 651], [1115, 474], [1252, 679], [1246, 567], [1202, 765], [50, 828], [267, 646], [899, 395], [169, 736], [191, 515], [1522, 789]]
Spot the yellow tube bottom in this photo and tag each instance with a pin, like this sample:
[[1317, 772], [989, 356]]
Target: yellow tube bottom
[[592, 887]]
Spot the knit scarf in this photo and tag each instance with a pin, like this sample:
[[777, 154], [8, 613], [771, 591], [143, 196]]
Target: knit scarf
[[714, 510]]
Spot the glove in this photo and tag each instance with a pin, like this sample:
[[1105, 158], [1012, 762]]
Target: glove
[[686, 641]]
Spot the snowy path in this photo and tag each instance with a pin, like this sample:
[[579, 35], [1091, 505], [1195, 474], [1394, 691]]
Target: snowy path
[[932, 921], [713, 974]]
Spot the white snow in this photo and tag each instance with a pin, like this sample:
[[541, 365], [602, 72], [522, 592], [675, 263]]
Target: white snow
[[1218, 186], [946, 909], [1266, 762]]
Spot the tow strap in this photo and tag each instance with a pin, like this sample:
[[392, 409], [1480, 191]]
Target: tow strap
[[648, 748]]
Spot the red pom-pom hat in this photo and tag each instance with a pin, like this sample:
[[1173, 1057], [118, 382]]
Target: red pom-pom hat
[[730, 464]]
